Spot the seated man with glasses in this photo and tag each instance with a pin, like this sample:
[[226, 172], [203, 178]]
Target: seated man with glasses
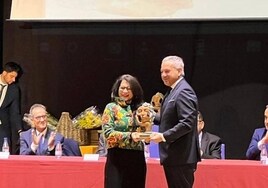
[[210, 144], [39, 140]]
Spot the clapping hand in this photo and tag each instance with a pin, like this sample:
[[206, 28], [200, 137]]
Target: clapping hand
[[265, 138], [51, 140], [36, 138]]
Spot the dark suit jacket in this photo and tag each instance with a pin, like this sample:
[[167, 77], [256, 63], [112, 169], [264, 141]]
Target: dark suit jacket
[[178, 123], [71, 148], [10, 116], [211, 146], [26, 141], [253, 152]]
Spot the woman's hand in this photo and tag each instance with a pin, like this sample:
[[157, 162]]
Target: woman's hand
[[135, 136]]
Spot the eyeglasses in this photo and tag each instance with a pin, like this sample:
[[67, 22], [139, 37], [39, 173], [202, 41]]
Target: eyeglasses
[[123, 88], [40, 117]]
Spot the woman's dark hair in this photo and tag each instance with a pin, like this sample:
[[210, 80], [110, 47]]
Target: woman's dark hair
[[134, 86]]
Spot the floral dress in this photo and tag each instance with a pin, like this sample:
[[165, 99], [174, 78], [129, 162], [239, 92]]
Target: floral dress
[[118, 122]]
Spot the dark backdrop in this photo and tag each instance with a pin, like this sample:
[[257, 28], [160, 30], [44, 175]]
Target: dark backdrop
[[71, 66]]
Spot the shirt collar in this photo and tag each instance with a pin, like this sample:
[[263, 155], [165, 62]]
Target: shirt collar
[[174, 85], [200, 138], [43, 133], [1, 82]]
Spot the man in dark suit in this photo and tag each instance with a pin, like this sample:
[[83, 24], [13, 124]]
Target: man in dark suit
[[10, 115], [40, 140], [71, 147], [177, 137], [259, 138], [210, 144]]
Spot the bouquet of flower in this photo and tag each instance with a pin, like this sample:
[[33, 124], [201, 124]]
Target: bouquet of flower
[[52, 121], [88, 119]]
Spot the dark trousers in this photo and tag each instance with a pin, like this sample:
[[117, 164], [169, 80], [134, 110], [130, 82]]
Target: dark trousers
[[180, 176], [125, 168]]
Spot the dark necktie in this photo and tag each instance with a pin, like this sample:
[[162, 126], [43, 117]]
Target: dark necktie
[[167, 93], [1, 89]]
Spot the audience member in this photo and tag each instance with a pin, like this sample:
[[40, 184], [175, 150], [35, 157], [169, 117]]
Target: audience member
[[10, 114], [177, 137], [210, 144], [259, 138], [102, 150], [71, 148], [125, 165], [39, 140]]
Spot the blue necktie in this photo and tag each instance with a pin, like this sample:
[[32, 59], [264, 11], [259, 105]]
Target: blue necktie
[[41, 145]]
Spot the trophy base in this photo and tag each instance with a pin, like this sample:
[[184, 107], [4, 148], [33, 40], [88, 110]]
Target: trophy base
[[145, 134]]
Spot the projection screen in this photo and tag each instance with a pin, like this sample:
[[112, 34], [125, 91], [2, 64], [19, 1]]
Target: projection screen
[[138, 9]]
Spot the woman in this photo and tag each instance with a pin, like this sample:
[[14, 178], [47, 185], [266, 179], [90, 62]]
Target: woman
[[125, 164]]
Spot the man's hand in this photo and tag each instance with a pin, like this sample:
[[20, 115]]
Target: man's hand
[[135, 136], [36, 139], [51, 140], [265, 138], [157, 137]]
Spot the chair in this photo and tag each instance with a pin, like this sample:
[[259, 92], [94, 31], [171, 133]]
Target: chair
[[71, 148]]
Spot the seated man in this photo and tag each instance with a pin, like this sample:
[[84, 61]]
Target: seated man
[[71, 147], [102, 150], [210, 145], [39, 140], [259, 138]]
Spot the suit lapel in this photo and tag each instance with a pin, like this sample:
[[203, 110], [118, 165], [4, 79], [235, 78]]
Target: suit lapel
[[170, 94], [9, 95], [165, 97], [204, 141]]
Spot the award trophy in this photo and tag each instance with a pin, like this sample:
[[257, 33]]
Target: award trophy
[[144, 118], [156, 101]]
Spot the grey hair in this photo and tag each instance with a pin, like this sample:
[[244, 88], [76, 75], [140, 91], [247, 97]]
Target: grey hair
[[176, 61], [36, 106]]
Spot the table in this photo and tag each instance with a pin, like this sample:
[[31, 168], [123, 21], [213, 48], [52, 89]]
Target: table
[[213, 173], [69, 172]]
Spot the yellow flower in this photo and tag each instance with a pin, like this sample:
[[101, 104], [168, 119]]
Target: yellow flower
[[88, 119]]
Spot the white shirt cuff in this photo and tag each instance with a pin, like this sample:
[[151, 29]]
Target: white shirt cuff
[[50, 148], [260, 143], [163, 138], [34, 147]]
